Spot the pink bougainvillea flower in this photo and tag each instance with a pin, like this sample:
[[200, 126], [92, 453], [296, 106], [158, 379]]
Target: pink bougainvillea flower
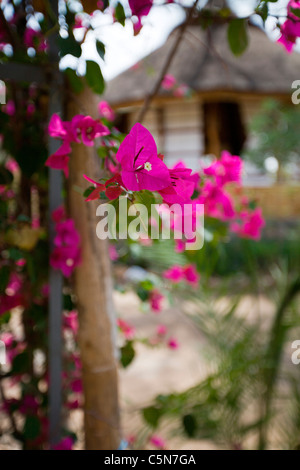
[[161, 330], [73, 128], [12, 297], [59, 214], [45, 289], [30, 109], [191, 275], [58, 128], [174, 274], [157, 442], [73, 404], [35, 39], [217, 202], [9, 302], [65, 444], [60, 159], [131, 439], [156, 300], [173, 343], [145, 240], [141, 167], [290, 29], [91, 129], [181, 91], [13, 345], [181, 188], [106, 111], [137, 25], [127, 330], [66, 234], [113, 254], [9, 108], [21, 262], [70, 321], [66, 254], [140, 8], [12, 165], [227, 169], [168, 82], [250, 225], [65, 258], [76, 386], [14, 285], [179, 246], [29, 405], [8, 339]]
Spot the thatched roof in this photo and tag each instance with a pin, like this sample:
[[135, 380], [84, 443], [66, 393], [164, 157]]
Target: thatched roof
[[205, 63]]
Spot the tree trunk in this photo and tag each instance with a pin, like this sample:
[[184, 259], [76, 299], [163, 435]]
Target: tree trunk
[[93, 290]]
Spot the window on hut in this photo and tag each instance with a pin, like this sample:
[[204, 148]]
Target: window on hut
[[122, 122], [223, 128]]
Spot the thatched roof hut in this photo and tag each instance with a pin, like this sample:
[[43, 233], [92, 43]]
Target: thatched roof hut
[[227, 91], [205, 64]]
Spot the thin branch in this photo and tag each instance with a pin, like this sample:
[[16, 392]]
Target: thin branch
[[167, 64]]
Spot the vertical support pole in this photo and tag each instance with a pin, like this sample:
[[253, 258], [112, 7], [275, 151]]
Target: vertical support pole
[[55, 311], [55, 277]]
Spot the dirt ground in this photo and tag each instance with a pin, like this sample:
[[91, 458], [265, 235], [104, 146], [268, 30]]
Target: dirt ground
[[159, 370], [162, 370]]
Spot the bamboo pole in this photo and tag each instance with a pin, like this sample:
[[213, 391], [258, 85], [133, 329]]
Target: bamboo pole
[[93, 289]]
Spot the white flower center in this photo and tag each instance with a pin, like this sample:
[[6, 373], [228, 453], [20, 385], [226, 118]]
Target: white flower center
[[69, 262], [148, 166]]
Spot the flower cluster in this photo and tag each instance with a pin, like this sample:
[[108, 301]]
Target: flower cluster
[[81, 129], [170, 84], [13, 295], [187, 273], [290, 29], [66, 253]]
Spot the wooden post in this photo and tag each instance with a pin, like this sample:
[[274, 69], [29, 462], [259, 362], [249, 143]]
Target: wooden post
[[93, 289]]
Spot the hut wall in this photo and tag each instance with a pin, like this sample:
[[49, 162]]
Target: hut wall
[[178, 131]]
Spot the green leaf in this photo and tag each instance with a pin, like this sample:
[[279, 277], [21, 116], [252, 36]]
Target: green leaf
[[15, 254], [142, 293], [67, 302], [88, 191], [102, 152], [75, 82], [94, 77], [152, 415], [69, 45], [263, 11], [100, 48], [32, 427], [295, 11], [4, 318], [20, 363], [253, 204], [4, 277], [127, 354], [120, 14], [5, 176], [237, 36], [147, 285], [190, 425]]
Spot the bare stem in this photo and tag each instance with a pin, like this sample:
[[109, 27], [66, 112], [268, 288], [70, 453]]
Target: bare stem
[[167, 64]]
